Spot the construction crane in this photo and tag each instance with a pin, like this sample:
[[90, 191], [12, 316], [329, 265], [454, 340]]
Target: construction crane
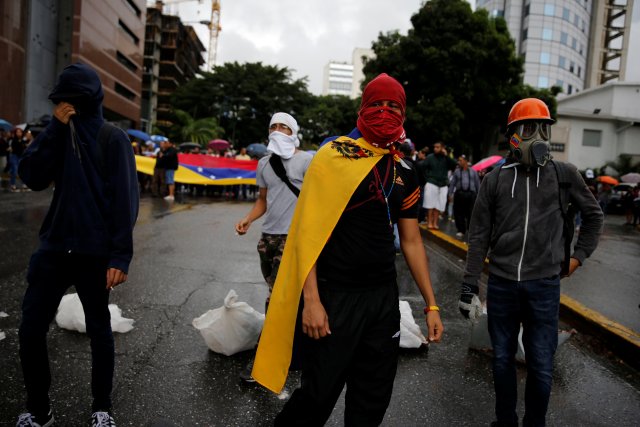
[[213, 24], [214, 31]]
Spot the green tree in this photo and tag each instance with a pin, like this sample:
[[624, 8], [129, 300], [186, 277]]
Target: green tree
[[243, 97], [460, 72], [328, 115], [201, 131]]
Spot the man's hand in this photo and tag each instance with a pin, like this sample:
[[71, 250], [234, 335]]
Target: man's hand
[[434, 325], [315, 321], [243, 226], [63, 112], [573, 266], [469, 303], [115, 277]]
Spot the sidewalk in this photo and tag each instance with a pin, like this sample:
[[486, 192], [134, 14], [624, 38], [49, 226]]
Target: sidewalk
[[603, 296]]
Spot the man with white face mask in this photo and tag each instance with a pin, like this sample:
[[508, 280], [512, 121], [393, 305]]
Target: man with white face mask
[[279, 177]]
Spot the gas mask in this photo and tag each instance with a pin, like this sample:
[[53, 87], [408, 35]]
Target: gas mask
[[529, 143]]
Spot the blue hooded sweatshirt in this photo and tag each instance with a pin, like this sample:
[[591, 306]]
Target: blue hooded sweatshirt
[[92, 212]]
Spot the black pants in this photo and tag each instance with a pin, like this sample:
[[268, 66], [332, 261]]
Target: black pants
[[462, 207], [50, 275], [361, 352]]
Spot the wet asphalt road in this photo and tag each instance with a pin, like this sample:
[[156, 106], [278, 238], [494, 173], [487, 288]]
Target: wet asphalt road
[[187, 258]]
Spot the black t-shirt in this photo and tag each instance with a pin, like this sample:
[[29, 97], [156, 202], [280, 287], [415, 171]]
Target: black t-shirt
[[18, 145], [360, 251], [167, 159], [170, 158]]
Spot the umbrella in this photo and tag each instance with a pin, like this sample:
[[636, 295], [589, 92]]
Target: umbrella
[[218, 144], [606, 179], [257, 150], [631, 177], [188, 146], [487, 162], [158, 138], [5, 125], [138, 134]]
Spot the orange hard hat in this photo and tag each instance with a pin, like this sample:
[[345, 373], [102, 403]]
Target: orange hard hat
[[529, 109]]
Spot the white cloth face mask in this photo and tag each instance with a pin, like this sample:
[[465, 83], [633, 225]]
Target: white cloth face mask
[[282, 144]]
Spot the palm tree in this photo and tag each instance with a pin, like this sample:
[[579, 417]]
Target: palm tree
[[200, 131]]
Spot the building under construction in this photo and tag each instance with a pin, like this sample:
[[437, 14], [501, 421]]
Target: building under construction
[[172, 56]]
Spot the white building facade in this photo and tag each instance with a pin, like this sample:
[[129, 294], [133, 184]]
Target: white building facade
[[338, 78], [344, 78], [598, 125]]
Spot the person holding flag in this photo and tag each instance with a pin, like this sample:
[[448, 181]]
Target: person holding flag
[[340, 257]]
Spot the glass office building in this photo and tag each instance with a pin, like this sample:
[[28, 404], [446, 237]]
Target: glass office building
[[551, 36]]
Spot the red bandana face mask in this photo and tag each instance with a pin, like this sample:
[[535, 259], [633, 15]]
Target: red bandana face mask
[[380, 126]]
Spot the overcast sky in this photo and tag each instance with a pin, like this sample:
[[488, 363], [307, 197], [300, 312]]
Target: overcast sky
[[304, 35]]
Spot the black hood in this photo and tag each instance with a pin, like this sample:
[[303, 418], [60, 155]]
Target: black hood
[[79, 85]]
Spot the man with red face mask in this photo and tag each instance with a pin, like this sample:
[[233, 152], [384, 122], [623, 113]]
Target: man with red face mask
[[340, 255]]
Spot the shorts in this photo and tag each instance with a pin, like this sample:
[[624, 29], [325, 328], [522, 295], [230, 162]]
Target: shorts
[[169, 176], [435, 197]]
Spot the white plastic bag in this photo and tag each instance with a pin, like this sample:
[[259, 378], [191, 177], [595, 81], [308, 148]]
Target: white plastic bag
[[71, 316], [480, 339], [410, 334], [232, 328]]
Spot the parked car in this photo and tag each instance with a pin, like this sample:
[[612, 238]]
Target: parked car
[[616, 204]]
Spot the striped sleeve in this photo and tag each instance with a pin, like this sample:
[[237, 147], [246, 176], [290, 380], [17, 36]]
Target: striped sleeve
[[409, 206], [411, 200]]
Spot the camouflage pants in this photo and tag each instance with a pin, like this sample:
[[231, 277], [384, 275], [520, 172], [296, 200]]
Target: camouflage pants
[[270, 248]]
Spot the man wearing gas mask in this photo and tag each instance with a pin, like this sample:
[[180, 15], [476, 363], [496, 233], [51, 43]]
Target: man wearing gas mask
[[519, 221]]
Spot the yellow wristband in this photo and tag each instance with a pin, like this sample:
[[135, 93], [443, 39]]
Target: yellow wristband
[[431, 308]]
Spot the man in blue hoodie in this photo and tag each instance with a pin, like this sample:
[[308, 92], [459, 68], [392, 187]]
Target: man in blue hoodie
[[85, 240]]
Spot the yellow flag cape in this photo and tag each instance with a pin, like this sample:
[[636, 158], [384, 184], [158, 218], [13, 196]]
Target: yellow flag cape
[[334, 174]]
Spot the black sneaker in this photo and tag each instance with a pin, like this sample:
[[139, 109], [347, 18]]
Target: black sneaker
[[245, 375], [102, 419], [29, 420]]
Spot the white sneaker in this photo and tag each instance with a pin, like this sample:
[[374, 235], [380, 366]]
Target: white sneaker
[[102, 419], [459, 235], [29, 420], [169, 198]]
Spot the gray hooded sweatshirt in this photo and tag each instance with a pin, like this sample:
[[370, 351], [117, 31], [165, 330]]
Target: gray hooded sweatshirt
[[517, 223]]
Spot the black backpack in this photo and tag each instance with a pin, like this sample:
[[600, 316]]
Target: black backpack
[[568, 211]]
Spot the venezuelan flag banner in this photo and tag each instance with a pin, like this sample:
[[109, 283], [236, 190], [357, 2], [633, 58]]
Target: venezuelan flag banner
[[200, 169]]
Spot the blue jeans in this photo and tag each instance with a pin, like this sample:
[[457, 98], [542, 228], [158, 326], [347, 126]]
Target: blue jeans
[[13, 168], [50, 275], [535, 304]]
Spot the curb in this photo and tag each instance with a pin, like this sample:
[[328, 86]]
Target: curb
[[622, 341]]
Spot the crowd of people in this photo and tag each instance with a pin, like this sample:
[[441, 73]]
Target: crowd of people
[[162, 183], [327, 249]]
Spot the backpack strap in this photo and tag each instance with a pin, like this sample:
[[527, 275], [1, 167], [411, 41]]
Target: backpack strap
[[278, 167], [564, 198]]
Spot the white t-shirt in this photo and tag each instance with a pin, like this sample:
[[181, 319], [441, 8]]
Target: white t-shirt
[[281, 201]]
